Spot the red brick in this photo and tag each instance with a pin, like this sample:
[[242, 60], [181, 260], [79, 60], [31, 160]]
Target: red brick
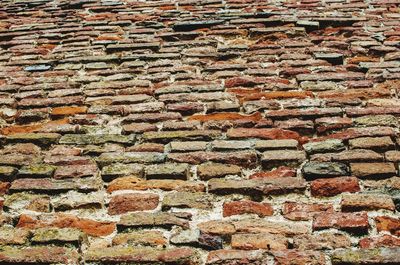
[[380, 241], [389, 224], [356, 223], [304, 211], [247, 207], [280, 172], [90, 227], [334, 186], [123, 203], [271, 134]]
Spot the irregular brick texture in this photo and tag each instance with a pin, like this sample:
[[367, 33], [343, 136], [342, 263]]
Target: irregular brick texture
[[199, 132]]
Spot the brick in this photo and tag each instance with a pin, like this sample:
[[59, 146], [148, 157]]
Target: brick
[[76, 200], [327, 146], [27, 201], [65, 111], [188, 146], [184, 256], [377, 144], [286, 257], [392, 156], [373, 170], [48, 185], [142, 238], [353, 155], [168, 171], [263, 145], [114, 171], [304, 211], [230, 256], [334, 186], [389, 224], [367, 256], [322, 241], [168, 136], [275, 186], [124, 203], [144, 219], [259, 241], [239, 158], [269, 134], [280, 172], [225, 116], [84, 139], [379, 241], [130, 157], [58, 235], [39, 254], [187, 200], [75, 171], [135, 183], [366, 202], [271, 159], [247, 207], [13, 236], [356, 223], [211, 170], [90, 227]]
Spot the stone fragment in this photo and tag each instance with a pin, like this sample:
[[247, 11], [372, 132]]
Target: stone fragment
[[333, 145], [313, 170]]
